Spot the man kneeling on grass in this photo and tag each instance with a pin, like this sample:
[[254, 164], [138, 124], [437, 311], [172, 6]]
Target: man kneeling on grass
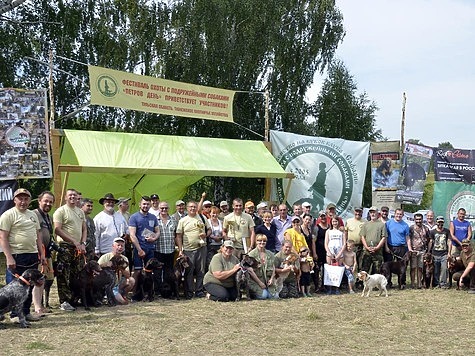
[[468, 259], [125, 282]]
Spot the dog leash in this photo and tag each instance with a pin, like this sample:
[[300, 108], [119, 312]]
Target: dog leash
[[16, 275]]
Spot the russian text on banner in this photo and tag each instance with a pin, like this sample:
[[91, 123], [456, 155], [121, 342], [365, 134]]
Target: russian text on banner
[[137, 92]]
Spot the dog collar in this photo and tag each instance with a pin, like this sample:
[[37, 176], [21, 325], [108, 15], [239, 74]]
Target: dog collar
[[22, 279], [148, 270]]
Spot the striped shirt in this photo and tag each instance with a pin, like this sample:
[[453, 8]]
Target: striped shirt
[[166, 240]]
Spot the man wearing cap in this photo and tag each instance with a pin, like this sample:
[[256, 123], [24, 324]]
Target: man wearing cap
[[306, 208], [468, 259], [220, 281], [352, 232], [191, 232], [87, 206], [261, 208], [179, 210], [204, 206], [439, 247], [373, 236], [155, 200], [124, 283], [144, 232], [460, 229], [109, 225], [330, 214], [384, 214], [21, 242], [224, 207], [249, 209], [123, 208], [71, 231], [165, 245], [239, 228], [417, 243]]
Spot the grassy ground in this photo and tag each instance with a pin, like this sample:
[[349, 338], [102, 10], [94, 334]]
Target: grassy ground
[[406, 323]]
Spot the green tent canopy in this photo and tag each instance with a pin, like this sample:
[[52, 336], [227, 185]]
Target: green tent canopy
[[132, 165]]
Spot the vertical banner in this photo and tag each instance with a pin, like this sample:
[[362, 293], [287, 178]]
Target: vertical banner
[[385, 166], [7, 187], [413, 174], [454, 187], [24, 144], [326, 171]]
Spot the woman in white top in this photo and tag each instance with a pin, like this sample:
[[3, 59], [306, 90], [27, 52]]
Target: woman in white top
[[334, 242], [216, 237]]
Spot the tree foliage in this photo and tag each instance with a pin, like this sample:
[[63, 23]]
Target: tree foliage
[[245, 45]]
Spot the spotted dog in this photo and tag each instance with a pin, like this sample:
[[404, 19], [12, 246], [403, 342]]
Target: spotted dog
[[372, 281], [14, 294]]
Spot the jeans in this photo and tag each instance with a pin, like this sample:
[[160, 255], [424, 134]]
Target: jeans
[[440, 270]]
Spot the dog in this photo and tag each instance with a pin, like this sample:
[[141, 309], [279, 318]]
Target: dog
[[242, 276], [374, 280], [281, 277], [397, 267], [181, 269], [106, 280], [14, 294], [455, 265], [145, 283], [428, 270], [82, 286]]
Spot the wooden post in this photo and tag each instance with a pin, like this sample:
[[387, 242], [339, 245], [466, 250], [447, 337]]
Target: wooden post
[[403, 122]]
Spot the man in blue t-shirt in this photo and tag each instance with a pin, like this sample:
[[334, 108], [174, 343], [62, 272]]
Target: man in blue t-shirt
[[398, 231], [460, 229], [144, 231]]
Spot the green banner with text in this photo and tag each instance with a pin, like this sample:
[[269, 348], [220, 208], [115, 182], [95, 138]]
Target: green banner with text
[[137, 92]]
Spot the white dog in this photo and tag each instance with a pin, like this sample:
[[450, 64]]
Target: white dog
[[371, 281]]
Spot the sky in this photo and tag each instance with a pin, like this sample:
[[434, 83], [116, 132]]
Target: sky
[[425, 48]]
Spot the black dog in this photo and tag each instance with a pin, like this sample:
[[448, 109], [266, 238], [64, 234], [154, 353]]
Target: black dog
[[242, 276], [399, 267], [106, 280], [169, 280], [14, 294], [82, 287], [145, 283]]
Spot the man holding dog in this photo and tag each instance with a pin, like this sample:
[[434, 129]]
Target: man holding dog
[[460, 229], [373, 237], [190, 235], [468, 260], [417, 242], [70, 228], [396, 243], [21, 242], [125, 283], [439, 247]]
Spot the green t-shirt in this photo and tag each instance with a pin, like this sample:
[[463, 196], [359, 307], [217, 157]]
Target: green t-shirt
[[373, 232], [219, 263]]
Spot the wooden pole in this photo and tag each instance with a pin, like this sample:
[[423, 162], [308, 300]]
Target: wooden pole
[[266, 116], [403, 122]]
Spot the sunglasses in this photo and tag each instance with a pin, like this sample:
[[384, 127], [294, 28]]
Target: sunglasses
[[261, 240]]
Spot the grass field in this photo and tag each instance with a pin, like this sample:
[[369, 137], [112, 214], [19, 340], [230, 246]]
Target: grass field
[[406, 323]]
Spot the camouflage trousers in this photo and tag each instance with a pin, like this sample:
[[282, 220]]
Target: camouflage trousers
[[68, 267], [371, 261], [289, 290]]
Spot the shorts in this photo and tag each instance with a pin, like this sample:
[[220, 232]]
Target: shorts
[[305, 279], [139, 262], [417, 260], [349, 275], [116, 290]]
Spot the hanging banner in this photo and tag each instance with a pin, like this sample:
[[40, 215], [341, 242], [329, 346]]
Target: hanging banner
[[454, 165], [138, 92], [449, 197], [385, 165], [326, 170], [24, 145], [7, 187], [413, 174]]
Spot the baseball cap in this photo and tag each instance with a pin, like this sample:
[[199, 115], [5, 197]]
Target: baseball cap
[[440, 218], [331, 205], [21, 191], [207, 202], [228, 243], [248, 204], [123, 200], [322, 212], [358, 208], [154, 196], [179, 202], [119, 239], [261, 205], [384, 208], [296, 218], [223, 203], [306, 204], [373, 208], [465, 242]]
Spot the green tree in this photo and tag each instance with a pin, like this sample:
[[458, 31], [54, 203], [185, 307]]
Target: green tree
[[341, 112]]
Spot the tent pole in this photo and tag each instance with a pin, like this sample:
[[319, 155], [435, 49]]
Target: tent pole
[[55, 153], [63, 188], [287, 190]]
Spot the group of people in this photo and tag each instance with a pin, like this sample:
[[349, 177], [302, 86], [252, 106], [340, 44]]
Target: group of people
[[290, 250]]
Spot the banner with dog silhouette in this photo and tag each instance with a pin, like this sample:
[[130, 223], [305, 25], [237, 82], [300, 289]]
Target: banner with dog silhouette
[[385, 166], [413, 173]]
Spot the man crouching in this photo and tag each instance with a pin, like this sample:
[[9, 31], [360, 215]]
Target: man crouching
[[125, 283]]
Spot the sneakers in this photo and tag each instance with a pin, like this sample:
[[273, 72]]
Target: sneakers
[[67, 307], [200, 295], [471, 291], [32, 317], [352, 291]]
